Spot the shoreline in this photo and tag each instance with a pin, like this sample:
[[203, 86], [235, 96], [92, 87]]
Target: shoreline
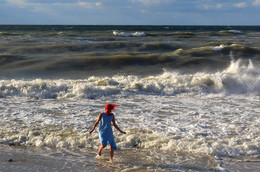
[[48, 159], [241, 164]]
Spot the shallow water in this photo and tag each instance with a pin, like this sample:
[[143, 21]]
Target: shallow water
[[85, 160], [46, 159], [197, 127]]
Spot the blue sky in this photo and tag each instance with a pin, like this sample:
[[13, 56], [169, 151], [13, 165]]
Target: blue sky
[[124, 12]]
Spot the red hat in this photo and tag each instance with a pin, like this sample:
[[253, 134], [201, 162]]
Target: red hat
[[110, 107]]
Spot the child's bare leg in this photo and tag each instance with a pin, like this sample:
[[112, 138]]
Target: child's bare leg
[[111, 153], [100, 149]]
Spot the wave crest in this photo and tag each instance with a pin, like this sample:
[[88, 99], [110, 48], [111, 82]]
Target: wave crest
[[238, 78], [124, 34]]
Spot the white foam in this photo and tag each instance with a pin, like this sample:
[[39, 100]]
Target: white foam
[[219, 48], [236, 31], [232, 31], [124, 34], [208, 113], [196, 124], [237, 78]]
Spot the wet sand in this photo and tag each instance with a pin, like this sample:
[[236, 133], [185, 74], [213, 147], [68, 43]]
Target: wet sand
[[242, 164], [22, 159], [33, 159]]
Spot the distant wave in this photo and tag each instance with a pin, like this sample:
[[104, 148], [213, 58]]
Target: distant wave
[[232, 31], [55, 51], [210, 50], [219, 48], [142, 54], [124, 34], [9, 33]]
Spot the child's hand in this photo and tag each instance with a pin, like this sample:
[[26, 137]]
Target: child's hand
[[123, 132], [90, 131]]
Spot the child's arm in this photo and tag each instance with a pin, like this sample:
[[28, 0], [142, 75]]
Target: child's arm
[[96, 123], [115, 125]]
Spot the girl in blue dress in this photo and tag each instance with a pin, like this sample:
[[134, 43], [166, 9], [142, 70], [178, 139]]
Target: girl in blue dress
[[105, 130]]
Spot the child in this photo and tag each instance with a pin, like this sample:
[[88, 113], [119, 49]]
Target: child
[[105, 130]]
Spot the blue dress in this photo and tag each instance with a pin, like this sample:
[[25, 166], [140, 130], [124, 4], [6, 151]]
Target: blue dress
[[105, 131]]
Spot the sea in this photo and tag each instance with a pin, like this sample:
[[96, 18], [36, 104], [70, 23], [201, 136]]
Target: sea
[[188, 97]]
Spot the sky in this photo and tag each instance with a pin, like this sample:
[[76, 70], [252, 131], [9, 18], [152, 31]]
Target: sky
[[130, 12]]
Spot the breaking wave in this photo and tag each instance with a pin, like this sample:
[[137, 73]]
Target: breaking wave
[[232, 31], [238, 78], [124, 34]]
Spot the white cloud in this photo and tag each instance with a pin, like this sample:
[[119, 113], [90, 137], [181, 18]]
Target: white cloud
[[211, 7], [20, 3], [205, 7], [51, 7], [98, 4], [17, 1], [128, 11], [153, 2], [147, 2], [256, 2], [240, 5], [219, 6], [89, 4], [54, 2], [44, 10]]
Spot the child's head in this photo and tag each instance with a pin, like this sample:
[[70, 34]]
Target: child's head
[[110, 107]]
